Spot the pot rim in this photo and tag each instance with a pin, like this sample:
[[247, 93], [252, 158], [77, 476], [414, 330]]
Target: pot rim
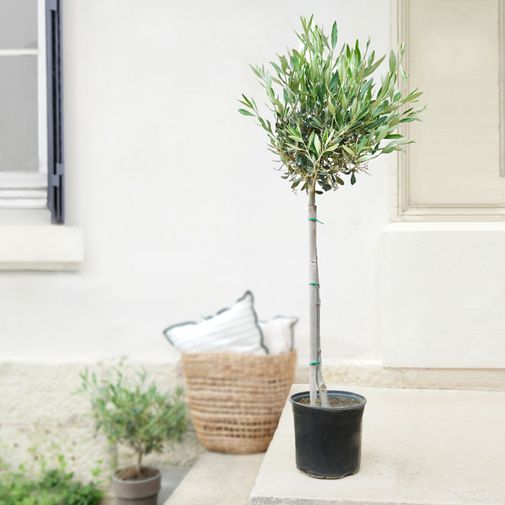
[[137, 481], [331, 392]]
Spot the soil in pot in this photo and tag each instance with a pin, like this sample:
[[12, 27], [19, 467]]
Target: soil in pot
[[328, 439], [131, 473], [134, 488], [334, 401]]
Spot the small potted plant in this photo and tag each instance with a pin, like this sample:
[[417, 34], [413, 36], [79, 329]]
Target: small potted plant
[[132, 412], [330, 119]]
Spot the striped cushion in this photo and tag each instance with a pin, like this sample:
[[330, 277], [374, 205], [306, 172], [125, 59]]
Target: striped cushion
[[234, 329]]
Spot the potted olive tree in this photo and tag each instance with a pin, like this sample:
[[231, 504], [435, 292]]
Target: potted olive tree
[[131, 412], [330, 119]]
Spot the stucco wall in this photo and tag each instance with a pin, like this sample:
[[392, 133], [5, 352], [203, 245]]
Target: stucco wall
[[442, 294], [180, 205]]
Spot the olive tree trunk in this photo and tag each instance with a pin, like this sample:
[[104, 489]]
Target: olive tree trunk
[[139, 463], [316, 383]]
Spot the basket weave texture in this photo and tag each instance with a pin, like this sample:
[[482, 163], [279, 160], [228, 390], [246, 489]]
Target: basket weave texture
[[236, 400]]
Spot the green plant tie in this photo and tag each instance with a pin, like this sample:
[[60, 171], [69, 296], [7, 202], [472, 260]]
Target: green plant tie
[[314, 363], [314, 284], [315, 220]]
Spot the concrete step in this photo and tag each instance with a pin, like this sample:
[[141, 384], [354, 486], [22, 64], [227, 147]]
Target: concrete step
[[218, 479], [422, 447], [171, 477]]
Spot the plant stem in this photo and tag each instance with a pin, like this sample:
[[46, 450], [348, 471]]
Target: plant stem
[[316, 382], [113, 452], [139, 462]]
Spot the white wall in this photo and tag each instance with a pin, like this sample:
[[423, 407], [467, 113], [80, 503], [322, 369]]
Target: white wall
[[176, 193], [443, 286]]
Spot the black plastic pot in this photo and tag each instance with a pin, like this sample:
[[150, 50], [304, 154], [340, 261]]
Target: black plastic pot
[[328, 440]]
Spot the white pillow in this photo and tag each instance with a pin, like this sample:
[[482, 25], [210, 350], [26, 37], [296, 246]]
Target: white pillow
[[278, 334], [234, 329]]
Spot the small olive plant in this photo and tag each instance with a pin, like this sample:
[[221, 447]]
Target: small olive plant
[[330, 119], [132, 412]]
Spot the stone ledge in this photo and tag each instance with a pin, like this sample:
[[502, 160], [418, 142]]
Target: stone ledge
[[420, 447], [374, 374], [50, 247]]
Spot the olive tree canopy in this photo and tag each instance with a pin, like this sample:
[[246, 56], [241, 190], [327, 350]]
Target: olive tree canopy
[[330, 116]]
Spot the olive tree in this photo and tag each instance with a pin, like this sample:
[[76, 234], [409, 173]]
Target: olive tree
[[329, 116], [133, 412]]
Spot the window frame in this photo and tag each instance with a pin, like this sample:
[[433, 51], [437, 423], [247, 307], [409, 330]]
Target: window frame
[[28, 190]]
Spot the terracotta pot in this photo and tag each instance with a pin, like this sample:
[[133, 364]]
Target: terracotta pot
[[137, 492]]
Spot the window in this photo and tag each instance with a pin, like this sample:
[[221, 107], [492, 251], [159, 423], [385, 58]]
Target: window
[[455, 54], [31, 153]]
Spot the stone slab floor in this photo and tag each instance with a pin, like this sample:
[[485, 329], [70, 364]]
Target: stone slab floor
[[420, 447]]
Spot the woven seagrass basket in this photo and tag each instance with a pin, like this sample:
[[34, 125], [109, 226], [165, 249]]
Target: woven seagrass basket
[[236, 400]]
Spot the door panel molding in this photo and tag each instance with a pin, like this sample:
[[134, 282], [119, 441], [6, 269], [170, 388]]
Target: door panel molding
[[403, 208]]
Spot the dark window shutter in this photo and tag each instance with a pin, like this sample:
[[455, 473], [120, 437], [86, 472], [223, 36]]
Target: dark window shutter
[[56, 167]]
